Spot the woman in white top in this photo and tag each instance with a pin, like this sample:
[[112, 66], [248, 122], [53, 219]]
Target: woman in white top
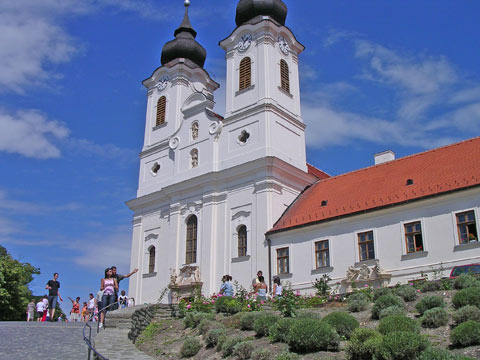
[[277, 287], [109, 286]]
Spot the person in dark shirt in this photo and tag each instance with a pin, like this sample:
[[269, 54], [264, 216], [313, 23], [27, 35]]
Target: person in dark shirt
[[119, 278], [53, 294]]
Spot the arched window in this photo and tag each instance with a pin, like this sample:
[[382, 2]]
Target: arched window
[[245, 79], [285, 76], [191, 251], [151, 260], [195, 131], [194, 157], [161, 109], [242, 241]]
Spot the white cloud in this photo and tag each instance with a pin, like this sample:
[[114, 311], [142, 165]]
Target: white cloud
[[27, 207], [103, 151], [31, 134]]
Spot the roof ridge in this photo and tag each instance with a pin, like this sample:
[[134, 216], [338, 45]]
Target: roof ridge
[[401, 159]]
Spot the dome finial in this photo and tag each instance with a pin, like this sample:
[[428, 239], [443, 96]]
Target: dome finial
[[187, 3]]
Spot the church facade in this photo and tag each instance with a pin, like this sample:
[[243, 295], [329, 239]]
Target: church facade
[[232, 194]]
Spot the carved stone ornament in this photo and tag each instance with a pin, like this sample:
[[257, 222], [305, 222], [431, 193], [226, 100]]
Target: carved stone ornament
[[244, 43], [283, 45], [186, 276], [215, 129], [162, 83], [174, 142]]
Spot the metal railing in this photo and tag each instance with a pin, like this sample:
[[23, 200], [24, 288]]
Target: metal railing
[[88, 340]]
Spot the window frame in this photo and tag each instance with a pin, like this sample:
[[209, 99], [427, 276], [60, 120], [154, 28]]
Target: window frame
[[457, 226], [244, 73], [328, 264], [279, 258], [161, 114], [151, 262], [242, 244], [191, 252], [357, 239], [406, 234]]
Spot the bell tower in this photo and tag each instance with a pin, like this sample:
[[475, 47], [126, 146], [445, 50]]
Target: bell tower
[[262, 82]]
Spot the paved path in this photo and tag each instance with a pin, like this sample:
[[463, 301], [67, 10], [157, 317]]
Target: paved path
[[33, 341]]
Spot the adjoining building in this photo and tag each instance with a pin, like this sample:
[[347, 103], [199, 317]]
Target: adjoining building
[[234, 194]]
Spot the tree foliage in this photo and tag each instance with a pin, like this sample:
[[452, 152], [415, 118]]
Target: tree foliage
[[14, 291]]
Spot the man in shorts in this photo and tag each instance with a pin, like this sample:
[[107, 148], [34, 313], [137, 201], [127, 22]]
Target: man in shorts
[[53, 294]]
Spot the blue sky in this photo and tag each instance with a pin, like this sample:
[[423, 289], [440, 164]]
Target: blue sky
[[401, 75]]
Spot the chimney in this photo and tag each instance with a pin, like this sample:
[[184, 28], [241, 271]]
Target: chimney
[[384, 157]]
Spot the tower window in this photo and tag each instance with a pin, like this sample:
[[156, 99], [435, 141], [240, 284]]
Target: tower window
[[155, 168], [242, 241], [194, 158], [151, 260], [191, 251], [245, 79], [161, 109], [244, 136], [285, 76], [195, 131]]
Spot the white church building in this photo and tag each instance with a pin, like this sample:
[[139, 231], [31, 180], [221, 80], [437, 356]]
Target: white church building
[[234, 194]]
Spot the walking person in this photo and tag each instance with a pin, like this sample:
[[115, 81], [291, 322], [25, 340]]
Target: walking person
[[119, 278], [75, 312], [40, 310], [261, 289], [30, 310], [108, 285], [226, 289], [45, 308], [90, 307], [277, 288], [53, 294]]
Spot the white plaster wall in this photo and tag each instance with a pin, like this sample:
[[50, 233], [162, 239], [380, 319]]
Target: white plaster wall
[[439, 231]]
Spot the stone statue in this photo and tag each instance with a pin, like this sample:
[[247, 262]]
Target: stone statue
[[364, 272], [196, 275], [376, 270], [173, 277], [352, 273]]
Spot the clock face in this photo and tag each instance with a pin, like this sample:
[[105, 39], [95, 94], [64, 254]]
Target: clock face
[[244, 42], [283, 45], [162, 83]]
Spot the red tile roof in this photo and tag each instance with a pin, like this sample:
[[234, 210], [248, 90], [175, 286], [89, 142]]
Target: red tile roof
[[319, 174], [446, 169]]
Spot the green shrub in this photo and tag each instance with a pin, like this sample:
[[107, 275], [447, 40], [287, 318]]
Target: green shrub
[[384, 302], [407, 293], [227, 305], [149, 332], [468, 296], [279, 331], [220, 341], [363, 343], [308, 315], [433, 353], [247, 320], [308, 335], [243, 350], [212, 337], [429, 302], [401, 345], [263, 323], [391, 310], [434, 318], [381, 292], [358, 302], [343, 323], [207, 325], [229, 344], [287, 304], [192, 319], [286, 355], [396, 323], [465, 313], [431, 286], [262, 354], [466, 334], [190, 347], [465, 281]]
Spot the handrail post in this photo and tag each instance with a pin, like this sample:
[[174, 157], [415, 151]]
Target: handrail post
[[90, 341]]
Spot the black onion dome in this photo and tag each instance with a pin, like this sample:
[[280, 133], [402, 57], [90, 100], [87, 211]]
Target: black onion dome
[[249, 9], [184, 44]]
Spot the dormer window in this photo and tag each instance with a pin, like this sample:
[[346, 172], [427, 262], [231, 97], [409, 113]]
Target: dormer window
[[409, 182], [285, 76], [324, 203], [161, 110], [245, 75]]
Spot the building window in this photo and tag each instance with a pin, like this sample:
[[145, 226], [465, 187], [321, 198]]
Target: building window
[[161, 109], [322, 254], [413, 237], [242, 241], [365, 246], [151, 260], [467, 227], [285, 76], [194, 158], [195, 131], [283, 263], [191, 252], [245, 73]]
